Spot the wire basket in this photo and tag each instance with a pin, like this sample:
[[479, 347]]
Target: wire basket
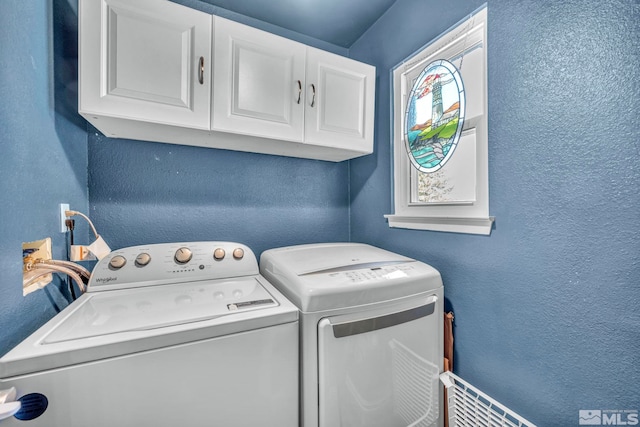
[[470, 407]]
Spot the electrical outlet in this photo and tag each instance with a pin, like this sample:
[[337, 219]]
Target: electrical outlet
[[63, 208], [32, 251]]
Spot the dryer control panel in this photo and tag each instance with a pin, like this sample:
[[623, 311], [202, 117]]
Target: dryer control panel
[[166, 263], [376, 273]]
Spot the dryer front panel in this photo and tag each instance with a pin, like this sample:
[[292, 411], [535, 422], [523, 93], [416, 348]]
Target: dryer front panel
[[381, 368]]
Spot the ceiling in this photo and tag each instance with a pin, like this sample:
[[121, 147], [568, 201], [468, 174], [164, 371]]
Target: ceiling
[[340, 22]]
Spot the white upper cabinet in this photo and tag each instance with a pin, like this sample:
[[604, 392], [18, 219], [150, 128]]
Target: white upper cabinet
[[340, 101], [146, 60], [154, 70], [258, 79], [273, 87]]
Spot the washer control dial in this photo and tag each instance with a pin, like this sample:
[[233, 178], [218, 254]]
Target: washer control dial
[[181, 262], [183, 255], [143, 259], [238, 253], [219, 254], [117, 262]]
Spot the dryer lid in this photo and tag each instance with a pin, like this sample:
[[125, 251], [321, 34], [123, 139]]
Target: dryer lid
[[328, 276], [324, 257]]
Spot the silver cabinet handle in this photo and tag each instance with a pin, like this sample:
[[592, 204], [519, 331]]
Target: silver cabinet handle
[[299, 91], [201, 71], [313, 100]]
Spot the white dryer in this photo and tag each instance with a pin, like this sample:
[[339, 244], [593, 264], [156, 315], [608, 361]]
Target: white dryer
[[371, 334], [184, 334]]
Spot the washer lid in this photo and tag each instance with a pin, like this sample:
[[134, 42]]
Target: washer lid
[[118, 322], [335, 275], [146, 309]]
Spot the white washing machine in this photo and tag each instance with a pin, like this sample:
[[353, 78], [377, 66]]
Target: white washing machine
[[371, 334], [185, 334]]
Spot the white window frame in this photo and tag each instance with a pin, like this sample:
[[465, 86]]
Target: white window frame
[[472, 217]]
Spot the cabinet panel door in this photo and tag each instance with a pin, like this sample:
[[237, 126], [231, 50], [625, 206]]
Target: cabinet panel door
[[258, 79], [142, 60], [340, 101]]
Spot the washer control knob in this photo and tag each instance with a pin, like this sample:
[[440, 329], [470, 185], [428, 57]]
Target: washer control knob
[[183, 255], [238, 253], [117, 262], [219, 254], [143, 259]]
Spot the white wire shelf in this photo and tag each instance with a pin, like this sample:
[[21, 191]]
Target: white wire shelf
[[469, 407]]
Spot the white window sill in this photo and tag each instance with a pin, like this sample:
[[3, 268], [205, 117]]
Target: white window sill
[[455, 225]]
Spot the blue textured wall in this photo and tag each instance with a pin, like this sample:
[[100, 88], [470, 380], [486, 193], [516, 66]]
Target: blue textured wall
[[279, 5], [547, 317], [44, 152], [144, 192], [546, 307], [140, 192]]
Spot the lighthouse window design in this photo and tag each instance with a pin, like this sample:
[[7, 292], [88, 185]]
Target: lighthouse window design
[[434, 116]]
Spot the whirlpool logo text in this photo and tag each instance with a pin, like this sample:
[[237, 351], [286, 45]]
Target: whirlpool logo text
[[104, 280]]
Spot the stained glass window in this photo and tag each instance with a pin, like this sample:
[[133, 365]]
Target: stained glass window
[[440, 168], [434, 116]]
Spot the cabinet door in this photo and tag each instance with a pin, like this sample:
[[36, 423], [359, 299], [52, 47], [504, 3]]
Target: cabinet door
[[258, 80], [340, 102], [145, 60]]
